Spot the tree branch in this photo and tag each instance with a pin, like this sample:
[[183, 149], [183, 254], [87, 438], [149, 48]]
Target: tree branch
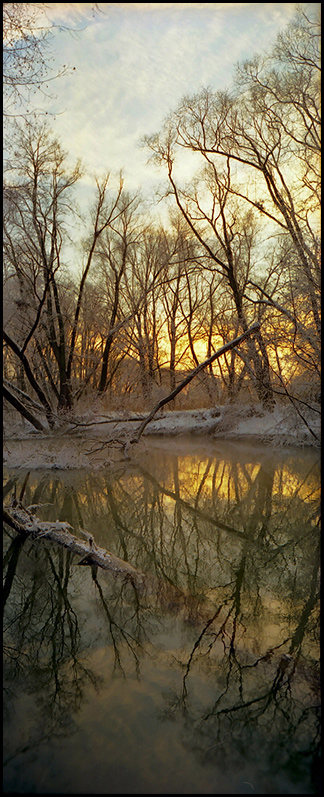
[[24, 522]]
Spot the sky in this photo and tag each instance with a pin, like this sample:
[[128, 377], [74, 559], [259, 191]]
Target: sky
[[131, 64]]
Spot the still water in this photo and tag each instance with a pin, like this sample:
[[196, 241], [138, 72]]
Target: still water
[[204, 680]]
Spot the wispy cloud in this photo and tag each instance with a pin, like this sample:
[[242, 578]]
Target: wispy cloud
[[135, 61]]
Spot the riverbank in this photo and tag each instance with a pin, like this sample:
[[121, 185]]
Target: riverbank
[[94, 439]]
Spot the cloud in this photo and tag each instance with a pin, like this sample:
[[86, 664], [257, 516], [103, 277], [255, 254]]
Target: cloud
[[135, 61]]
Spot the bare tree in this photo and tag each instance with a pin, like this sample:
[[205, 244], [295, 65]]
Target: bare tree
[[40, 199], [142, 295], [116, 250], [27, 70], [180, 261], [38, 209], [259, 144], [226, 237]]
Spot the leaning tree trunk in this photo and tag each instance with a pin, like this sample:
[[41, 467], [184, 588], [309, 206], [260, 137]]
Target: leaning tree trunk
[[228, 346], [14, 401], [31, 378]]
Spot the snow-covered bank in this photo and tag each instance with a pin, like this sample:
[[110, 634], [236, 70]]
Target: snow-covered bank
[[281, 427], [96, 440]]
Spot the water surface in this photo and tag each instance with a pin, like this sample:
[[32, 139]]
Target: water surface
[[205, 680]]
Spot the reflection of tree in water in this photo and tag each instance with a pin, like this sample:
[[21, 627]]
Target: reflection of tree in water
[[126, 622], [273, 695], [262, 703], [48, 635], [43, 640], [267, 707], [231, 553], [273, 698]]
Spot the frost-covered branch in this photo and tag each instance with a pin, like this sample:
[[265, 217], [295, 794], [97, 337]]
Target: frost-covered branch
[[24, 522]]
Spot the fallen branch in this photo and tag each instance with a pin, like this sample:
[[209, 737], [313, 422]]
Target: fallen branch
[[227, 347], [24, 522], [76, 424], [165, 593], [157, 591]]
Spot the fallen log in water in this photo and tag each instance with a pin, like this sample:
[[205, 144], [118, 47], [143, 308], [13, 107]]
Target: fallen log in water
[[215, 620], [24, 522], [208, 615], [157, 591]]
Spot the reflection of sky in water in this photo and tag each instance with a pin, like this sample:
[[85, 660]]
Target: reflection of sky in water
[[197, 682]]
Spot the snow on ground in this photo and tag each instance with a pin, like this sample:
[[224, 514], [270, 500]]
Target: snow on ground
[[95, 440]]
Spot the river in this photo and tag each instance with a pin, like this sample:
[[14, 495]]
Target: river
[[206, 680]]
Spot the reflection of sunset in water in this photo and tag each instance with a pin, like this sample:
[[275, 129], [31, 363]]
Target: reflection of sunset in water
[[206, 476]]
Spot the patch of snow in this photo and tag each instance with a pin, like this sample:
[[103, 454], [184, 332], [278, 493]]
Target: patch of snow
[[282, 427], [185, 422]]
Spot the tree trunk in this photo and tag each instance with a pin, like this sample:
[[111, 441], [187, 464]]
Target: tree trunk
[[30, 376], [22, 410]]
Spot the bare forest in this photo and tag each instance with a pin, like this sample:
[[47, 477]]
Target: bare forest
[[109, 304]]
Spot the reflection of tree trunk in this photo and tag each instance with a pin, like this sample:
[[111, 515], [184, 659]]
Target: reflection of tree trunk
[[309, 606], [117, 632], [199, 513], [39, 490], [66, 513], [196, 646], [263, 485], [236, 606], [11, 556], [8, 486], [202, 482], [118, 523], [21, 377], [178, 530]]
